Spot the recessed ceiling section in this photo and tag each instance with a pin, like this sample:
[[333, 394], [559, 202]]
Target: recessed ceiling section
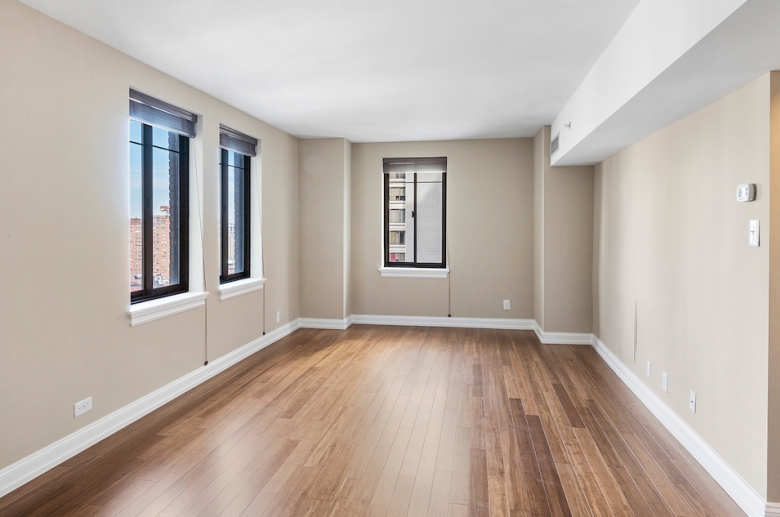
[[738, 48], [367, 71]]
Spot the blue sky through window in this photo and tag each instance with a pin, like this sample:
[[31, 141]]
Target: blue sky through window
[[162, 162]]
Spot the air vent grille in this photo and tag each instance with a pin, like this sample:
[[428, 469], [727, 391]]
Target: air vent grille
[[554, 144]]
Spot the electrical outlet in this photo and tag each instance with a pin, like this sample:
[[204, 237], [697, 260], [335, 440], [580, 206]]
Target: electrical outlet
[[506, 305], [665, 383], [649, 365], [81, 407], [278, 316], [692, 402]]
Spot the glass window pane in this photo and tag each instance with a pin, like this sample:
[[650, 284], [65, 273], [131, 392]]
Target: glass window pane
[[398, 237], [236, 220], [397, 215], [165, 210], [165, 139], [136, 132], [397, 193], [429, 223], [235, 159], [428, 177], [401, 224], [136, 211], [415, 203]]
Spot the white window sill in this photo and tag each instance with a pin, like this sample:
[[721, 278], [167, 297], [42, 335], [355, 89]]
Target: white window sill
[[413, 272], [239, 287], [145, 312]]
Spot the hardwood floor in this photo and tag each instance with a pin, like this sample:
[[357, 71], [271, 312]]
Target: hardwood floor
[[391, 421]]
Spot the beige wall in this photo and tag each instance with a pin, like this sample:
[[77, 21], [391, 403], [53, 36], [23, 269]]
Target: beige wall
[[324, 195], [563, 242], [64, 227], [773, 461], [347, 222], [541, 163], [666, 232], [672, 238], [489, 228], [568, 249]]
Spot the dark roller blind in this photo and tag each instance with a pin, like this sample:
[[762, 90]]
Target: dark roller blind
[[414, 164], [155, 112], [236, 141]]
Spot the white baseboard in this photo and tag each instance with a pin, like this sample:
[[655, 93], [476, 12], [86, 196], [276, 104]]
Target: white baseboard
[[737, 488], [32, 466], [322, 323], [562, 338], [440, 321]]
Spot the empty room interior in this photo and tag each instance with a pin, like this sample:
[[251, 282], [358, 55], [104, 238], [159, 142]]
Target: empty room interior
[[409, 258]]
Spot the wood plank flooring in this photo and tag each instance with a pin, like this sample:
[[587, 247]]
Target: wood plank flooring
[[391, 421]]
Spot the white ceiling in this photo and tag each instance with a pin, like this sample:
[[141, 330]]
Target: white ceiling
[[367, 71], [742, 47]]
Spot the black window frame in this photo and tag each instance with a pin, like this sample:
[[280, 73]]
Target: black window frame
[[414, 263], [224, 276], [180, 208]]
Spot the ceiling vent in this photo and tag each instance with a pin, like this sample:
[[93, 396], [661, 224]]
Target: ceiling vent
[[554, 144]]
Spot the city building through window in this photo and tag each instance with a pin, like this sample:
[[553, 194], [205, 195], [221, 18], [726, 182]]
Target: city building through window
[[235, 161], [235, 216], [415, 212], [159, 198]]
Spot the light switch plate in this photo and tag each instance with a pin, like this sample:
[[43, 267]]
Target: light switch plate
[[755, 233], [506, 305], [649, 365], [692, 401], [665, 382]]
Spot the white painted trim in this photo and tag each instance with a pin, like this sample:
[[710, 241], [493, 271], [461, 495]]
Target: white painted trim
[[322, 323], [413, 272], [440, 321], [32, 466], [239, 287], [737, 488], [161, 307], [562, 338]]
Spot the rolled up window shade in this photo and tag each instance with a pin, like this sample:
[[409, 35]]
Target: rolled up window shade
[[414, 164], [154, 112], [236, 141]]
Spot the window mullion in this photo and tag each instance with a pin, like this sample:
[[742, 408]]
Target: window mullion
[[174, 214], [183, 203], [224, 216], [444, 220], [247, 216], [414, 219], [387, 219], [237, 217], [148, 211]]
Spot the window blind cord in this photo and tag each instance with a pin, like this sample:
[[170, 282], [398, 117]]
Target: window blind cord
[[262, 243], [449, 277], [203, 261]]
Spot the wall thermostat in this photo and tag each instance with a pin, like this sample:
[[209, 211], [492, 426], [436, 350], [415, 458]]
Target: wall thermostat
[[746, 192]]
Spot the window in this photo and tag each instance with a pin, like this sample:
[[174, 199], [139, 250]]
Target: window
[[235, 162], [159, 198], [235, 216], [415, 212]]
